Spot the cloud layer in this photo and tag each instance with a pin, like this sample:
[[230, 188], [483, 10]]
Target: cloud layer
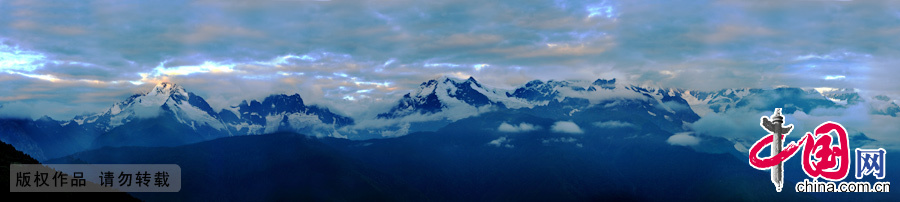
[[683, 139], [566, 127], [613, 124], [522, 127], [85, 55]]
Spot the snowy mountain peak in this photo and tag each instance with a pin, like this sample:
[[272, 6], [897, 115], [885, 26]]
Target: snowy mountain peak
[[437, 94], [273, 104], [606, 84], [161, 94], [426, 88], [164, 98], [884, 105], [843, 96], [173, 96], [540, 91], [473, 81], [452, 86], [167, 88], [824, 90], [280, 112]]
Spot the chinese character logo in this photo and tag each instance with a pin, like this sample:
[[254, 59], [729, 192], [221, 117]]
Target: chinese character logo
[[820, 157], [870, 162]]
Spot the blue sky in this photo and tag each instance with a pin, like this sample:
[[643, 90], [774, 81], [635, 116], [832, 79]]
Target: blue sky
[[67, 58]]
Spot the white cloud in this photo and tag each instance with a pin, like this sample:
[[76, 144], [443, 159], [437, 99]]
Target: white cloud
[[600, 95], [559, 139], [741, 148], [613, 124], [37, 109], [742, 125], [734, 124], [404, 129], [683, 139], [522, 127], [566, 127], [12, 58], [571, 140], [501, 142]]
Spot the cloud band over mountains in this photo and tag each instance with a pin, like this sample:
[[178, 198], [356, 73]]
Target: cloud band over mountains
[[76, 57]]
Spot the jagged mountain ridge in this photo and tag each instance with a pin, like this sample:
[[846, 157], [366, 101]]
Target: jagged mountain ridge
[[167, 115], [433, 96], [436, 95], [194, 111], [279, 113], [188, 113], [187, 107]]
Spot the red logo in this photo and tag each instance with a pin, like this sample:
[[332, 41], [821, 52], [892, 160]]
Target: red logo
[[821, 158]]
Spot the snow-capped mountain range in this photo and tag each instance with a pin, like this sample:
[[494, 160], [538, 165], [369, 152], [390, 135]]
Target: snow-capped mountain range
[[279, 113], [168, 115], [274, 113], [445, 94], [188, 108], [168, 111]]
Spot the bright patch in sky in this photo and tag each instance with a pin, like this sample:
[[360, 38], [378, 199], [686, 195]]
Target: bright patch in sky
[[601, 10], [45, 77], [813, 56], [284, 59], [386, 63], [478, 67], [840, 55], [381, 84], [206, 67], [834, 77], [12, 58], [441, 65]]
